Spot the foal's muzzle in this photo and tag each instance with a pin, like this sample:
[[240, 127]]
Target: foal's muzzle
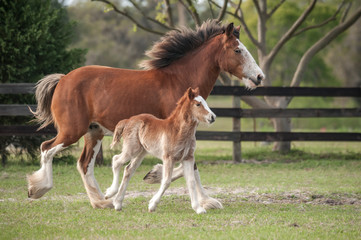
[[211, 119]]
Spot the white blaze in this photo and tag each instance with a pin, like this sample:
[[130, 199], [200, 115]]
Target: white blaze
[[205, 105], [251, 69]]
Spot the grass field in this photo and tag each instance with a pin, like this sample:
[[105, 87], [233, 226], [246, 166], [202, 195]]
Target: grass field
[[312, 193]]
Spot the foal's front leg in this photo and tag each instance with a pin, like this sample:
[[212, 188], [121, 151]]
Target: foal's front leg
[[188, 168], [205, 201], [166, 180]]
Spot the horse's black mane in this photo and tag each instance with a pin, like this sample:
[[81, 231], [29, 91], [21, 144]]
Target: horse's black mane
[[176, 43]]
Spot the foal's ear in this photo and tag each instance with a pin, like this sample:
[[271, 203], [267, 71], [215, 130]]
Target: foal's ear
[[190, 93], [229, 30], [196, 91]]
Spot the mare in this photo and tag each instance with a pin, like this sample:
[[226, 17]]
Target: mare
[[172, 140], [91, 100]]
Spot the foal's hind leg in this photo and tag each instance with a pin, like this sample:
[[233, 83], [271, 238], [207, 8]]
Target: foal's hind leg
[[117, 162], [128, 173], [92, 143]]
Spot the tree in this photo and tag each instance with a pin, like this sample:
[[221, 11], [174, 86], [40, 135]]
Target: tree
[[110, 40], [34, 42], [329, 20]]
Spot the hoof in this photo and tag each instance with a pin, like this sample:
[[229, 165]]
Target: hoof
[[34, 193], [109, 193], [155, 175], [211, 203], [201, 210]]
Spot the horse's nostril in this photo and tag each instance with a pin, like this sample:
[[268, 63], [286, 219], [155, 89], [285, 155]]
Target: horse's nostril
[[259, 78]]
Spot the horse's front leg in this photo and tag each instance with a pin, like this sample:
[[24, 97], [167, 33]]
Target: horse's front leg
[[168, 165], [128, 173], [205, 201], [188, 168]]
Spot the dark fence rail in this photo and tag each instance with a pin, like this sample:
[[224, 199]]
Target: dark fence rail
[[236, 113]]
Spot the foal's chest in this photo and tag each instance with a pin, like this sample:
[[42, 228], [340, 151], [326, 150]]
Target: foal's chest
[[183, 149]]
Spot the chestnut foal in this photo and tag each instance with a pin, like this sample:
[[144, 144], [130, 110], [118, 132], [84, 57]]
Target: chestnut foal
[[172, 140]]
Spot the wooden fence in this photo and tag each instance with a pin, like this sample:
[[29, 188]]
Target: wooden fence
[[236, 136]]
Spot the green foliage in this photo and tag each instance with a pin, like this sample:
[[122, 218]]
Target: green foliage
[[111, 39], [34, 40], [318, 72]]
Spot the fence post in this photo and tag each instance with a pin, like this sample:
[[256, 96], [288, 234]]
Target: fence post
[[236, 103]]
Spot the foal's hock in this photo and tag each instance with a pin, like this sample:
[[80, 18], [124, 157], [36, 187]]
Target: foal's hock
[[172, 140]]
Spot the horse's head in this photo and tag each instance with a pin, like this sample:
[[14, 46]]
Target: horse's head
[[237, 60], [199, 108]]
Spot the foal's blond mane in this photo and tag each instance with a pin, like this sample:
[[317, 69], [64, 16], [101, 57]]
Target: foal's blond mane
[[182, 108]]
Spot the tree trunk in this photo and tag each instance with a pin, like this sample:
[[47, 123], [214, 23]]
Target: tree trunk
[[282, 125]]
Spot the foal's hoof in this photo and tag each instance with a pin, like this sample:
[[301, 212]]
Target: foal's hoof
[[109, 193], [201, 210], [117, 206]]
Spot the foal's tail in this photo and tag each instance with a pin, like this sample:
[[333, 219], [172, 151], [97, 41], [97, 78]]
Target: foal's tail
[[118, 132], [44, 94]]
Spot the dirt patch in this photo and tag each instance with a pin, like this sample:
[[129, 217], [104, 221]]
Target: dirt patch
[[238, 195]]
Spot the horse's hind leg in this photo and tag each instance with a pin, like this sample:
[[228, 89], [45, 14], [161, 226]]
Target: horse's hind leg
[[155, 175], [41, 181], [92, 143]]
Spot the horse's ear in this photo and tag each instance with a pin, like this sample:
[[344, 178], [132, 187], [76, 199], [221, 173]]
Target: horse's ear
[[190, 93], [229, 30], [236, 31]]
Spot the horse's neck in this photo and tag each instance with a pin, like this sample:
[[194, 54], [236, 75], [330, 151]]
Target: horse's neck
[[199, 68]]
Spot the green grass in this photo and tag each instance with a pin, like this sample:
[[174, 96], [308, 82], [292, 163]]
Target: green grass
[[314, 192]]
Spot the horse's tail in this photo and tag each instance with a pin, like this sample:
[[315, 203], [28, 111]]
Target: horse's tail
[[44, 94], [118, 132]]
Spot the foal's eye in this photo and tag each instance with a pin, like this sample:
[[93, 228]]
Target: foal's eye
[[237, 50], [198, 104]]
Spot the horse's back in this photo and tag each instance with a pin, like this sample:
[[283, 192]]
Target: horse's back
[[107, 95]]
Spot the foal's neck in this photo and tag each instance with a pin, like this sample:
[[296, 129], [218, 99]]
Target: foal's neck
[[182, 122]]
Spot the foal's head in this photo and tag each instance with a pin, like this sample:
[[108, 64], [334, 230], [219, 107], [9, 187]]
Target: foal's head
[[236, 59], [193, 105]]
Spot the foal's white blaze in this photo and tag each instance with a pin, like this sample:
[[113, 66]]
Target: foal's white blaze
[[205, 105], [250, 69]]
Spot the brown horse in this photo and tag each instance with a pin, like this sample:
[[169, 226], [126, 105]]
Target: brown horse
[[172, 140], [91, 100]]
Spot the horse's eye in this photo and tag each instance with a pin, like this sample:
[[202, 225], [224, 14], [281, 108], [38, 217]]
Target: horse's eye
[[198, 104], [237, 50]]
